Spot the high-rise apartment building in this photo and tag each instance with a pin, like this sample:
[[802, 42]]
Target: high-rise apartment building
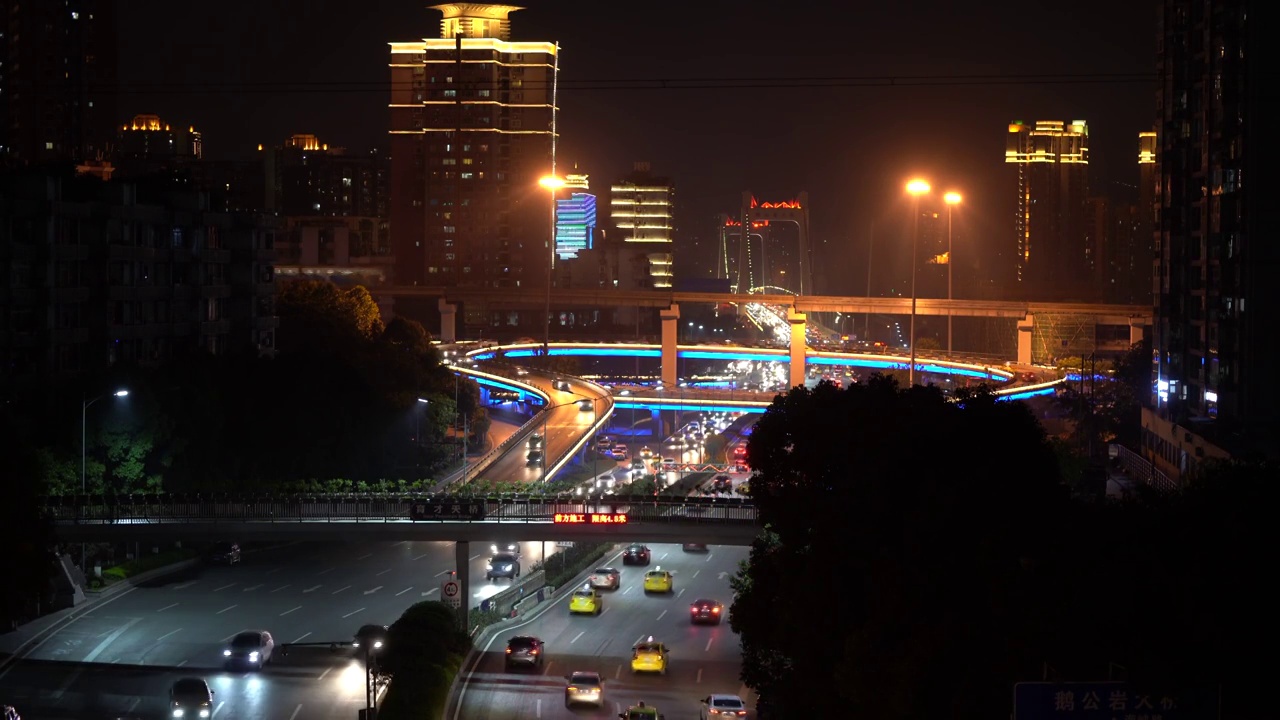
[[57, 80], [1053, 261], [305, 177], [1217, 293], [576, 218], [149, 145], [472, 130], [641, 207]]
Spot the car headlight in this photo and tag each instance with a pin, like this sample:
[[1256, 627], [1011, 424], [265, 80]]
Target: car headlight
[[377, 644], [488, 566], [355, 643], [177, 712], [226, 653], [253, 656], [204, 712]]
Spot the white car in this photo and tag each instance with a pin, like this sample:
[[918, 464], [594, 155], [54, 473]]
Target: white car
[[253, 648], [722, 706]]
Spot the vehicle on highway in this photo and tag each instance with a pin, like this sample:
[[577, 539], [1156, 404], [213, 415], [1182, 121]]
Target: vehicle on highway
[[744, 488], [604, 441], [584, 687], [562, 385], [649, 655], [508, 548], [586, 601], [370, 638], [534, 458], [225, 552], [253, 648], [586, 405], [646, 452], [641, 712], [637, 467], [502, 565], [605, 577], [722, 483], [535, 440], [658, 581], [524, 650], [706, 611], [189, 697], [694, 547], [636, 554], [521, 372], [722, 706], [619, 451]]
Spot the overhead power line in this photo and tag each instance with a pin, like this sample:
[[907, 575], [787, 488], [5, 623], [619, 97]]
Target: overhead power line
[[636, 84]]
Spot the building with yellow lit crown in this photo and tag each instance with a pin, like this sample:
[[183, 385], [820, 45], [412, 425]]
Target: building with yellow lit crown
[[472, 130], [148, 145], [641, 206], [1053, 260]]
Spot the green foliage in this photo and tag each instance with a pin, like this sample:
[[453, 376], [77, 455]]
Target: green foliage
[[142, 564], [425, 649]]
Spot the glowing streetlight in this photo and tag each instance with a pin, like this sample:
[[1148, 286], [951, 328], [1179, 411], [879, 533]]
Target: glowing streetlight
[[552, 183], [952, 199], [915, 189]]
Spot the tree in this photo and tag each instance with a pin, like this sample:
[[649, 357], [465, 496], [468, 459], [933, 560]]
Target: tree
[[319, 315], [27, 534], [424, 649]]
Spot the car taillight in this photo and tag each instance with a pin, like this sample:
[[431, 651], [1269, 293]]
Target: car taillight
[[508, 651], [715, 610], [533, 652]]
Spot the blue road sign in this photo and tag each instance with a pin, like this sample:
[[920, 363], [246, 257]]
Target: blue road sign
[[1110, 701]]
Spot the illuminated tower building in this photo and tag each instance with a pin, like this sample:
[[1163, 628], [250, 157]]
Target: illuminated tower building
[[57, 81], [1216, 291], [472, 130], [1053, 259], [641, 208], [1148, 185], [575, 218], [148, 145]]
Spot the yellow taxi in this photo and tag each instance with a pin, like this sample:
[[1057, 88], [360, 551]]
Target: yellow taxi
[[657, 580], [649, 656], [641, 712], [585, 601]]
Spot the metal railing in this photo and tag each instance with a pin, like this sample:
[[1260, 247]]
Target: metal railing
[[385, 508], [1139, 467]]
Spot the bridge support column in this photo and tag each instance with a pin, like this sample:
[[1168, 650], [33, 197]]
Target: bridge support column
[[461, 558], [798, 346], [448, 321], [1025, 326], [1137, 331], [655, 416], [670, 329]]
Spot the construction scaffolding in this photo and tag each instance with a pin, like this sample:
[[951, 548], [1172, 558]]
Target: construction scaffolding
[[1055, 336]]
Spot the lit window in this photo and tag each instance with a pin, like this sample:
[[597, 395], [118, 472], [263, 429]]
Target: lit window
[[467, 161], [467, 175]]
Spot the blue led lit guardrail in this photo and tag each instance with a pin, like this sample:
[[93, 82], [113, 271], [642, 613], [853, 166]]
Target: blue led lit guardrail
[[184, 508]]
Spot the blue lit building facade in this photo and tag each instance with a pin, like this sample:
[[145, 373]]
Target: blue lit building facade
[[575, 219]]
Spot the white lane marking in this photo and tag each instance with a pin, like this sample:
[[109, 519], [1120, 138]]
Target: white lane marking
[[286, 612], [133, 704], [473, 558], [432, 591], [617, 673], [295, 712], [638, 640], [617, 708], [313, 588], [708, 647], [185, 585], [326, 670], [171, 633], [404, 591], [664, 556], [353, 612], [110, 639], [322, 572], [575, 637], [680, 593], [664, 612], [184, 662], [226, 609], [344, 587], [255, 587], [709, 556], [695, 573], [215, 710], [302, 637], [280, 588], [699, 680], [273, 571], [166, 607], [547, 670], [367, 555], [443, 572], [629, 588], [422, 556], [402, 542], [537, 707], [602, 612], [374, 590], [384, 572], [224, 587]]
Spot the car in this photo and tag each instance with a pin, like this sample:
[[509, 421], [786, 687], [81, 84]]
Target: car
[[722, 483], [508, 548], [605, 577], [635, 554], [190, 697], [658, 581], [649, 656], [584, 687], [521, 372], [637, 466], [252, 647], [706, 611], [370, 638], [646, 452], [586, 601], [226, 552], [562, 385], [722, 706], [535, 440], [534, 458], [502, 565], [524, 650], [620, 451], [604, 441], [641, 711], [586, 405], [694, 547]]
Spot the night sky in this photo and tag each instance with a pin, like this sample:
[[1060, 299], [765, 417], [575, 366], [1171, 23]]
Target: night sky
[[221, 67]]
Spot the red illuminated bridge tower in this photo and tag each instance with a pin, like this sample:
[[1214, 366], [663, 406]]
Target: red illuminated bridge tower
[[770, 262]]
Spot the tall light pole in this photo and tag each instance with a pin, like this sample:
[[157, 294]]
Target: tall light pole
[[552, 184], [84, 414], [952, 199], [915, 188]]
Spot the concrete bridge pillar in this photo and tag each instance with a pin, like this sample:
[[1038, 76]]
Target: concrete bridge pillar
[[1025, 326], [1137, 331], [461, 559], [799, 347], [670, 329], [448, 321]]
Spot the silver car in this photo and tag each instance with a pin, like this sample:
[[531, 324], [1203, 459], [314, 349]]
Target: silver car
[[585, 688], [253, 648]]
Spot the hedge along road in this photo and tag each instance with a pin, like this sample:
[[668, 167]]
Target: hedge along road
[[120, 656], [704, 659]]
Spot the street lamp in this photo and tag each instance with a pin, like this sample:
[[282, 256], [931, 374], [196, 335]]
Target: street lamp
[[915, 188], [552, 184], [84, 413], [952, 199]]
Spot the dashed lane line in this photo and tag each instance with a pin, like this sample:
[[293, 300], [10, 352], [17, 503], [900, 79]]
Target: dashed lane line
[[166, 607], [231, 607], [171, 633], [286, 612]]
